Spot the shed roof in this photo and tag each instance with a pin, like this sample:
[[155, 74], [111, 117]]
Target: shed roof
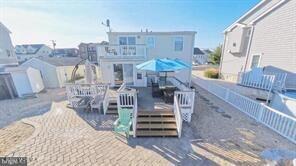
[[61, 61]]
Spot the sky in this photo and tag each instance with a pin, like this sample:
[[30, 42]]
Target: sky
[[70, 22]]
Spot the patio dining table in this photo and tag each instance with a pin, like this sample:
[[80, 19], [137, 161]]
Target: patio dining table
[[165, 84]]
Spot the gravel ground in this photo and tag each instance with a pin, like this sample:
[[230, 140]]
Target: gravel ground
[[15, 109], [229, 135]]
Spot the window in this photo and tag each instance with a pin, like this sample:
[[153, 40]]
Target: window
[[255, 61], [150, 42], [139, 76], [127, 40], [179, 44]]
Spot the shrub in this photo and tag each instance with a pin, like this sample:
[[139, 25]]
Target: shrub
[[211, 73]]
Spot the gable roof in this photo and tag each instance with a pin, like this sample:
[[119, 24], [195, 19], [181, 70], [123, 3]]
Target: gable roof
[[197, 51], [4, 27], [263, 8], [61, 61], [207, 51], [35, 46]]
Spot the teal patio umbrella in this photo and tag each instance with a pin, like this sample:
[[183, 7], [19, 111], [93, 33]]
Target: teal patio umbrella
[[163, 65]]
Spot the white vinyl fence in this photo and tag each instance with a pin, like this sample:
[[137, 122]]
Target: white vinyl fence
[[273, 119]]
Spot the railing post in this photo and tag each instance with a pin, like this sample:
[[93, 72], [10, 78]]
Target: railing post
[[260, 113]]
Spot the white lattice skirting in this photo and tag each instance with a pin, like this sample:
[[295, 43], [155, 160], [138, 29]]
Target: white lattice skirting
[[186, 114]]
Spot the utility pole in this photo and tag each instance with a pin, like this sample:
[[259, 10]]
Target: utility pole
[[53, 45]]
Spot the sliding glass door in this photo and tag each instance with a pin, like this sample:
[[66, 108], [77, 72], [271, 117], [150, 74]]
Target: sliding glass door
[[123, 73]]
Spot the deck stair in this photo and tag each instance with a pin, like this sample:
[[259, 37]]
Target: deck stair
[[156, 123], [112, 108]]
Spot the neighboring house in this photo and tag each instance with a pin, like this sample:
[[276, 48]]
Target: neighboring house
[[89, 51], [263, 37], [7, 55], [26, 80], [118, 59], [201, 56], [56, 71], [66, 52], [27, 51]]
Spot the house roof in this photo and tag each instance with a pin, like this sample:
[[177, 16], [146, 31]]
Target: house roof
[[155, 33], [207, 51], [35, 46], [197, 51], [4, 27], [263, 8], [16, 69], [61, 61]]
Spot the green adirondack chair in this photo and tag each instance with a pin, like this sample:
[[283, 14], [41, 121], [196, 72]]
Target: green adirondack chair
[[124, 122]]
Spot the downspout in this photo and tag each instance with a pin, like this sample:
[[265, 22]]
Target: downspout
[[222, 54], [249, 48]]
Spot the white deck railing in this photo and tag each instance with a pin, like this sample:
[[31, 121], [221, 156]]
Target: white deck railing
[[106, 100], [75, 91], [185, 97], [127, 98], [115, 51], [178, 115], [249, 79], [279, 80], [185, 100], [276, 120]]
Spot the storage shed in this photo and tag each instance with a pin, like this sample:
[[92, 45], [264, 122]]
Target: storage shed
[[56, 71], [26, 80]]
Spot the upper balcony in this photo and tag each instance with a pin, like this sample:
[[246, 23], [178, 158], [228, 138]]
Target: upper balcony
[[122, 51]]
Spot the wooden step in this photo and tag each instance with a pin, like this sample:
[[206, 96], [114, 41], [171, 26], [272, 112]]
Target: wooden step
[[156, 119], [155, 113], [112, 112], [112, 103], [112, 106], [157, 133], [156, 126]]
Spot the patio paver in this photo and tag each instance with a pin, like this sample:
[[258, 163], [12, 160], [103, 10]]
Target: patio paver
[[65, 136]]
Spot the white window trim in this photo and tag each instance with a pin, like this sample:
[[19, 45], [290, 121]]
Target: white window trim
[[182, 43], [259, 61], [118, 37], [154, 38]]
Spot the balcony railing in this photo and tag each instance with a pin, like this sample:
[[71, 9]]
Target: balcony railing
[[121, 51]]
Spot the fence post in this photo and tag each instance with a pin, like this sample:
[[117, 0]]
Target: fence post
[[260, 112], [227, 95]]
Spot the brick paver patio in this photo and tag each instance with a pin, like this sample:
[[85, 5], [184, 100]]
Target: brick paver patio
[[65, 137]]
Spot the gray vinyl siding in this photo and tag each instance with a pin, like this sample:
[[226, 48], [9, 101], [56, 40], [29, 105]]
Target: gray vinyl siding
[[275, 38], [232, 64]]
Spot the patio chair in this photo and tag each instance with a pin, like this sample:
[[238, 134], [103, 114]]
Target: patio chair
[[124, 122], [96, 103], [156, 92], [169, 95]]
